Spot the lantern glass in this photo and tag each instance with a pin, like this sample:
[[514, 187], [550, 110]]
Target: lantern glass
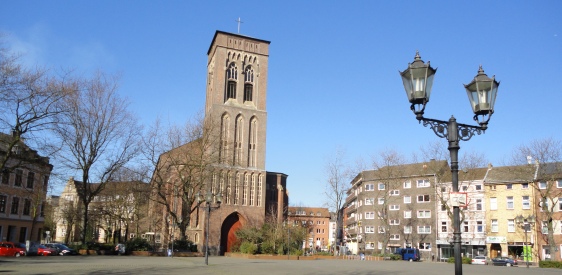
[[482, 92], [418, 81]]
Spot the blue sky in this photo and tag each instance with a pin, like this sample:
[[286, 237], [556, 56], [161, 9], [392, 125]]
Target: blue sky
[[333, 68]]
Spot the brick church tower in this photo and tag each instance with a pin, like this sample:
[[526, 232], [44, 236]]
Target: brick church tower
[[236, 94]]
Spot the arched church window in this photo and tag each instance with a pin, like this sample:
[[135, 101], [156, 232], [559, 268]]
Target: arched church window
[[248, 84], [232, 78]]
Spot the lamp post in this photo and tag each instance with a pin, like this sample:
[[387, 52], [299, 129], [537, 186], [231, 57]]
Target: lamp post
[[482, 91], [209, 200], [525, 223]]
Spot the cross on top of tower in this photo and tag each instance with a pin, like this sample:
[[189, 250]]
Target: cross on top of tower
[[239, 21]]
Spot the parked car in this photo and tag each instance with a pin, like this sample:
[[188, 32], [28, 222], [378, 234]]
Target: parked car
[[62, 249], [479, 260], [11, 249], [43, 250], [504, 261]]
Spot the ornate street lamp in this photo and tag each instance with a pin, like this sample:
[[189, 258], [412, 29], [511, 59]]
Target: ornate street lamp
[[209, 200], [525, 223], [482, 91]]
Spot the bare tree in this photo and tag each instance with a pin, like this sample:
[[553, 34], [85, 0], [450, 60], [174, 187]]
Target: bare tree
[[184, 165], [337, 183], [29, 106], [98, 136]]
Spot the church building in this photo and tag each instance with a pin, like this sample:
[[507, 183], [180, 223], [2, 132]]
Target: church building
[[236, 93]]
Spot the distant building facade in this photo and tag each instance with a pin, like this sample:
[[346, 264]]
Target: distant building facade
[[23, 189], [317, 222]]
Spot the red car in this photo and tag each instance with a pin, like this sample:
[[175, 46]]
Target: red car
[[10, 249], [45, 251]]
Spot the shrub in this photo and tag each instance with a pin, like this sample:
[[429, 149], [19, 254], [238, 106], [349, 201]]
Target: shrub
[[248, 248], [465, 260], [182, 245], [137, 244], [550, 264], [267, 248]]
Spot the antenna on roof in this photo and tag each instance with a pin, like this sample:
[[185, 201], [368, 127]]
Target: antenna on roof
[[239, 21]]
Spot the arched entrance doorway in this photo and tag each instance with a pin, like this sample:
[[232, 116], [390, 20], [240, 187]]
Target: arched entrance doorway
[[230, 225]]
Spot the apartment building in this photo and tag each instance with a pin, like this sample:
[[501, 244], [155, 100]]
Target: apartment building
[[392, 207], [548, 224], [317, 222], [23, 190]]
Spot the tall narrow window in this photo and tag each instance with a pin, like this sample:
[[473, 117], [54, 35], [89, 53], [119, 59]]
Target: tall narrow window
[[253, 190], [3, 200], [5, 177], [248, 84], [232, 78], [225, 125], [221, 184], [26, 207], [260, 186], [245, 190], [228, 188], [237, 189], [252, 140], [238, 130], [30, 179], [15, 205], [19, 175]]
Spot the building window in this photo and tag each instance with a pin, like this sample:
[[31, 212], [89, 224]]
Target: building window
[[559, 183], [369, 215], [252, 190], [19, 175], [423, 183], [5, 177], [407, 184], [465, 227], [509, 186], [424, 229], [407, 199], [26, 207], [525, 186], [493, 204], [407, 214], [369, 229], [394, 192], [395, 207], [260, 184], [369, 187], [248, 83], [526, 202], [544, 228], [394, 237], [369, 201], [478, 187], [232, 77], [394, 222], [424, 214], [15, 205], [510, 225], [494, 226], [560, 207], [30, 179], [3, 200], [381, 229], [408, 229], [381, 200], [245, 190], [424, 246], [382, 186], [423, 198], [542, 185], [479, 227], [444, 227], [510, 202], [478, 204]]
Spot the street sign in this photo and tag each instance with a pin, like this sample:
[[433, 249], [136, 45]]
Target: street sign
[[458, 199]]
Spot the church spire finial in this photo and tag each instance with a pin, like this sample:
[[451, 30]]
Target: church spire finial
[[239, 21]]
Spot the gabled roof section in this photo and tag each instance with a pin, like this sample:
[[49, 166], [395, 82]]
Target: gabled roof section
[[550, 171], [511, 174]]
